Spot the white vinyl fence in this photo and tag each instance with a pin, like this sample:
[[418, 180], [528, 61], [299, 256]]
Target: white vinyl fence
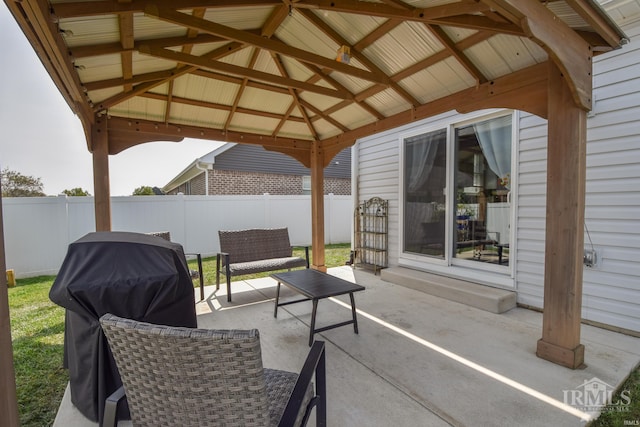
[[38, 230]]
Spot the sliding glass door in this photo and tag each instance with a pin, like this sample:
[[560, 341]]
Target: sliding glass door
[[470, 223], [425, 199], [482, 185]]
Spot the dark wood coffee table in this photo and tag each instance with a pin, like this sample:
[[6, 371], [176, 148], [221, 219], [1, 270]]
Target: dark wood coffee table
[[315, 285]]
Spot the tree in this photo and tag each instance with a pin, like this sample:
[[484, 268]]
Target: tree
[[14, 184], [76, 192], [143, 190]]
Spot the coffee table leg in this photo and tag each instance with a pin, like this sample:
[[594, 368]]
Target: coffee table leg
[[275, 310], [353, 312], [313, 321]]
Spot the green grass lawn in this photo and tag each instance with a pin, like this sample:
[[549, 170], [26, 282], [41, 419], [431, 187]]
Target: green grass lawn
[[37, 330], [631, 387], [37, 327]]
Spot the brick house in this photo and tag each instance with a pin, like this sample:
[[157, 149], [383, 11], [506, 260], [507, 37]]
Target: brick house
[[245, 169]]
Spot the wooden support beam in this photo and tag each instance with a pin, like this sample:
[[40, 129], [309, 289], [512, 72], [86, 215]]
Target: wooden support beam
[[303, 156], [340, 40], [268, 44], [317, 207], [459, 14], [503, 92], [127, 40], [73, 9], [100, 149], [527, 93], [34, 18], [224, 67], [603, 25], [126, 133], [450, 47], [88, 51], [565, 47], [173, 74], [564, 244], [8, 399]]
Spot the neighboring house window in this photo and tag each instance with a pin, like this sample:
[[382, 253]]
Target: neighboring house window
[[306, 184], [470, 222], [187, 188]]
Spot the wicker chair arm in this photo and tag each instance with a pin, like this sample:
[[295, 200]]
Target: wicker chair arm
[[110, 418], [314, 364]]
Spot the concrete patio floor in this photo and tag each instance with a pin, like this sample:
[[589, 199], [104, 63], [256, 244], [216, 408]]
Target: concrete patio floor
[[418, 360]]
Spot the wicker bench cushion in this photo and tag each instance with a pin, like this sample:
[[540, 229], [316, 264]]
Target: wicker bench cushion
[[251, 267]]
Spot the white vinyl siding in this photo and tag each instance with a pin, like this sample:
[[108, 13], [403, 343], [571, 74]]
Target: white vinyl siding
[[611, 290], [378, 165], [532, 189]]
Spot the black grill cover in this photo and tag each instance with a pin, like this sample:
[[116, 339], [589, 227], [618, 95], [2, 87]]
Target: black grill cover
[[131, 275]]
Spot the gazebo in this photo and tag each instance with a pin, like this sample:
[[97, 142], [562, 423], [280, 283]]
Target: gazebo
[[309, 77]]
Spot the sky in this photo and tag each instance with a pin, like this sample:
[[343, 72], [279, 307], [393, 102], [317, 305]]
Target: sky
[[41, 137]]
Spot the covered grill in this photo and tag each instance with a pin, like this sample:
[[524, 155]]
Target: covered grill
[[131, 275]]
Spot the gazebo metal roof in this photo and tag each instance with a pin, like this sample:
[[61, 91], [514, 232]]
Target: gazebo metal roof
[[265, 72]]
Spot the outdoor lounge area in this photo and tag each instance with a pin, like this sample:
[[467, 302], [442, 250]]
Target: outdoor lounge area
[[518, 115], [418, 359]]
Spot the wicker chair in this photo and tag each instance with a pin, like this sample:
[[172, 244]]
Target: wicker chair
[[197, 377]]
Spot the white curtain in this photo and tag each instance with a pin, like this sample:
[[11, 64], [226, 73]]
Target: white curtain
[[495, 141], [420, 155]]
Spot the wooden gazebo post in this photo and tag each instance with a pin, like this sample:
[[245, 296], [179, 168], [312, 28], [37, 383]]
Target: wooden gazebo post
[[564, 240], [8, 400], [317, 206], [569, 97], [100, 150]]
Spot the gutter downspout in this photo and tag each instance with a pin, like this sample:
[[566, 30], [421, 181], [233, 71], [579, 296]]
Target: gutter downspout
[[206, 174]]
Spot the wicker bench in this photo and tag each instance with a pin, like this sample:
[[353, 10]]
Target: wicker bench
[[255, 251]]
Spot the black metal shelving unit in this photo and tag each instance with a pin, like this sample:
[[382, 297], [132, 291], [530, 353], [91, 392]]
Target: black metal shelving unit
[[371, 234]]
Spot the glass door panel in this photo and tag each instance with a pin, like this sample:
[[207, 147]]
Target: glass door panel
[[425, 176], [482, 185]]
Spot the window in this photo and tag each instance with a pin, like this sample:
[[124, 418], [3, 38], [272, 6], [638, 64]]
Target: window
[[306, 184], [469, 224]]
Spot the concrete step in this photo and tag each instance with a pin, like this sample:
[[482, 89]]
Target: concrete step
[[483, 297]]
